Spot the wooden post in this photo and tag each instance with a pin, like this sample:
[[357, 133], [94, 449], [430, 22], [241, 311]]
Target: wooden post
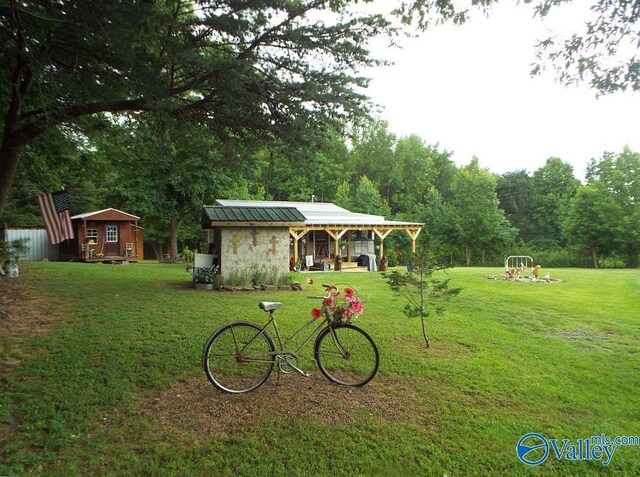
[[382, 235], [82, 240], [336, 235], [413, 233], [297, 235], [348, 246], [135, 240]]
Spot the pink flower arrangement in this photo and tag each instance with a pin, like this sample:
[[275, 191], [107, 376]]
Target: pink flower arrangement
[[345, 307]]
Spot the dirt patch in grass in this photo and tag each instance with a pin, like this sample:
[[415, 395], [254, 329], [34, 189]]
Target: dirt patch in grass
[[582, 335], [24, 314], [191, 410]]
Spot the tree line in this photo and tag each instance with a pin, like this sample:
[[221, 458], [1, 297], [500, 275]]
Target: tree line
[[159, 107], [164, 170]]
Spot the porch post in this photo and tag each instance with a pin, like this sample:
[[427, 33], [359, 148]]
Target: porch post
[[82, 241], [413, 233], [297, 235], [348, 245], [382, 235], [135, 240]]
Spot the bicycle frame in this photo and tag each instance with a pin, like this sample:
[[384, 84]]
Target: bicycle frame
[[326, 322]]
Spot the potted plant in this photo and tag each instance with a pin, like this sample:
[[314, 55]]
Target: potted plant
[[10, 253], [205, 278]]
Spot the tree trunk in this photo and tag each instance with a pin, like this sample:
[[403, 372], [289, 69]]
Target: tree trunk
[[9, 156], [157, 249], [173, 238], [483, 252], [467, 252], [176, 223], [595, 257]]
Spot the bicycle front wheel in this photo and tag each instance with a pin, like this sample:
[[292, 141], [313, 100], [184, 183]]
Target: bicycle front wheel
[[346, 355], [238, 357]]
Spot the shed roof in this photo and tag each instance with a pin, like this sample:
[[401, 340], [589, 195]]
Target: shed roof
[[214, 215], [321, 213], [110, 211]]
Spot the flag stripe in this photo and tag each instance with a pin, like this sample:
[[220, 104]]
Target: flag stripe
[[46, 205], [54, 209], [68, 227]]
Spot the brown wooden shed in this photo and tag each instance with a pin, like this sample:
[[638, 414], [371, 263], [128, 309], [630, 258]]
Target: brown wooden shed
[[105, 235]]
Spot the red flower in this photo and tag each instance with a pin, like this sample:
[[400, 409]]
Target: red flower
[[349, 293], [330, 287], [327, 301], [357, 306], [316, 313]]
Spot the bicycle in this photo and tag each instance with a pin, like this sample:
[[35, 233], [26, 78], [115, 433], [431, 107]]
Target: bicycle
[[239, 357]]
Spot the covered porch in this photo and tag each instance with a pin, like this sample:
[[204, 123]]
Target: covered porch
[[348, 242]]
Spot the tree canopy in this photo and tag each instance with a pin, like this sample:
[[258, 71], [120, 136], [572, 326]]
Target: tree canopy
[[260, 66]]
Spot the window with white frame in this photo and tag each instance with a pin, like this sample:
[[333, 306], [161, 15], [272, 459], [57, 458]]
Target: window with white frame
[[92, 235], [111, 233]]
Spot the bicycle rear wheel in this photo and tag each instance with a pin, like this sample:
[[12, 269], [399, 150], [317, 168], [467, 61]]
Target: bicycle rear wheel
[[238, 357], [346, 355]]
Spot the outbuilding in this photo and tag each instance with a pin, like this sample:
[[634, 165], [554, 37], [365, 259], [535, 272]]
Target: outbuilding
[[247, 235], [105, 235]]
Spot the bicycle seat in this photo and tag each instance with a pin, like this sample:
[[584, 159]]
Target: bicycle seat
[[269, 305]]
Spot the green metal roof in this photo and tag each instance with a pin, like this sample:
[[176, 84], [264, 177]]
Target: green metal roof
[[218, 215]]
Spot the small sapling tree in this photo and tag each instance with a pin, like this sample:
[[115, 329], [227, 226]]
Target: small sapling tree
[[423, 292]]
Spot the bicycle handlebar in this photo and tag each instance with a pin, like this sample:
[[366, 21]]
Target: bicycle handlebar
[[314, 297]]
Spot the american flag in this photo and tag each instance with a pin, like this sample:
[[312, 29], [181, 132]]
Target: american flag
[[54, 209]]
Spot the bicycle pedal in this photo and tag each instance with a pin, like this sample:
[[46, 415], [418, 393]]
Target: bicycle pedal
[[306, 375]]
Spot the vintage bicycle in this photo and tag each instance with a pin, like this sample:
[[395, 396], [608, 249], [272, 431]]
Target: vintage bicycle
[[239, 356]]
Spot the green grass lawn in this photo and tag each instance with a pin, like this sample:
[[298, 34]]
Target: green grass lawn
[[115, 387]]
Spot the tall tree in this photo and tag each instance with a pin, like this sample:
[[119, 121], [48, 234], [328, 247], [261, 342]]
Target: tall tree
[[372, 155], [594, 222], [481, 223], [515, 191], [313, 167], [619, 175], [553, 187], [232, 65], [366, 199], [168, 170], [343, 195], [415, 173]]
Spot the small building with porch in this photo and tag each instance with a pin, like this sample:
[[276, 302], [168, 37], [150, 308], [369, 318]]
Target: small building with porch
[[105, 235], [246, 235]]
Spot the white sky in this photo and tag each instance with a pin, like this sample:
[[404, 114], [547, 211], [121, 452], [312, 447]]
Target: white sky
[[468, 89]]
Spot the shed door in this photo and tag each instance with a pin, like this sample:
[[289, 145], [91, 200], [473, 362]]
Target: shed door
[[111, 240]]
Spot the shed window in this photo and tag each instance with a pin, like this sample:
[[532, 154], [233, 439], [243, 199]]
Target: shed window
[[112, 233], [92, 235]]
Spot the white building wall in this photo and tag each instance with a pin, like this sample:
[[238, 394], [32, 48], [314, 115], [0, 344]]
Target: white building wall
[[245, 250]]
